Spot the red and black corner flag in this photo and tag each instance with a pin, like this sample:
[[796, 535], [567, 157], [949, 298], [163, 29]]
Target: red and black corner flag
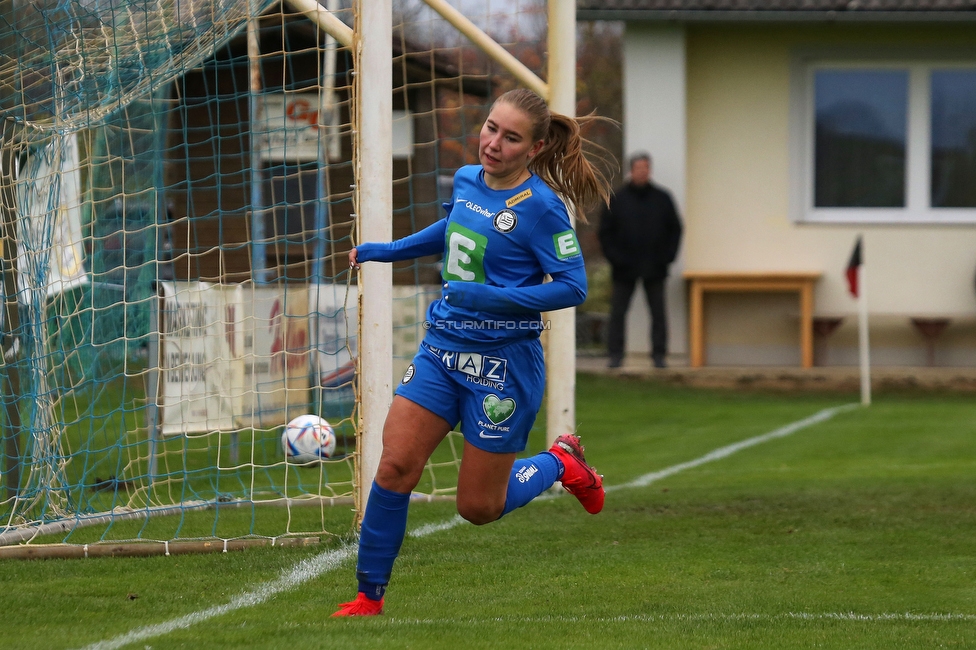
[[852, 267]]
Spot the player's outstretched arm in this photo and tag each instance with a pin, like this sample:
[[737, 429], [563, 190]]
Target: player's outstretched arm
[[428, 241], [567, 289]]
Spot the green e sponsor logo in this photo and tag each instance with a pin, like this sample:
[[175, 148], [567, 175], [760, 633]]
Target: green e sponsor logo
[[465, 254], [565, 243]]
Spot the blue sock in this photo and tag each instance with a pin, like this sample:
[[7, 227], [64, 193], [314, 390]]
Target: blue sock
[[384, 525], [531, 477]]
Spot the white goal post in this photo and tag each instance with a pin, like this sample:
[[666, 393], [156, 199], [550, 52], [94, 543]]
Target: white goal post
[[373, 135]]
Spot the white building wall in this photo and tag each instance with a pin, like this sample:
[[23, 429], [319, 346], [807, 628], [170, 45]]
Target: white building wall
[[654, 79], [738, 209]]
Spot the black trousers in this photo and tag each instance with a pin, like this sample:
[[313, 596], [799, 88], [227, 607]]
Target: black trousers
[[623, 291]]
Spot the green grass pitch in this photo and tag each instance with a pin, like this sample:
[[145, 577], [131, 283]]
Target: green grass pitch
[[857, 532]]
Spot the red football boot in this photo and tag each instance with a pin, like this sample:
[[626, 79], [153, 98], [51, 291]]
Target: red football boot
[[362, 606], [579, 479]]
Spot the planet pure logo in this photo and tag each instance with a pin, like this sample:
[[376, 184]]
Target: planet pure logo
[[498, 410]]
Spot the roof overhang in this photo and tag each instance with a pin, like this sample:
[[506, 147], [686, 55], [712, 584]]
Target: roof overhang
[[775, 16]]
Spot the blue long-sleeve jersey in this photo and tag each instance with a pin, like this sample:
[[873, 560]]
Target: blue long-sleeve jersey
[[498, 246]]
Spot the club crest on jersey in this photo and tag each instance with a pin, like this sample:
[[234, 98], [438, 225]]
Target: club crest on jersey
[[408, 375], [505, 221]]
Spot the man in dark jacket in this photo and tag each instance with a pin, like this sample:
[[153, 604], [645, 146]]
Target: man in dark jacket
[[640, 232]]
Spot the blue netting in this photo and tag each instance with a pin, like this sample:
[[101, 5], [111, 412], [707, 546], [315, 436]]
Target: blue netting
[[64, 64], [212, 185]]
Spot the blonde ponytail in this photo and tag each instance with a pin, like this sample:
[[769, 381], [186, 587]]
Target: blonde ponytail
[[562, 162]]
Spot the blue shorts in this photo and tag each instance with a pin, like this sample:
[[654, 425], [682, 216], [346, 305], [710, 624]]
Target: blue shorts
[[495, 395]]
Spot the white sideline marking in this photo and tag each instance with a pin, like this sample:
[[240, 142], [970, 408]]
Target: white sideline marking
[[302, 572], [728, 450], [427, 529], [329, 560]]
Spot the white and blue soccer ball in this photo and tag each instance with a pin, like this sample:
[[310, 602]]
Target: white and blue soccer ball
[[307, 439]]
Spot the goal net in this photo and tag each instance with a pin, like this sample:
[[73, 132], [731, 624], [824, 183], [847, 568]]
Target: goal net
[[178, 197]]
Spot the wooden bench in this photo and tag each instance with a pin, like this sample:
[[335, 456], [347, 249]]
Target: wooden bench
[[702, 282], [931, 328], [823, 327]]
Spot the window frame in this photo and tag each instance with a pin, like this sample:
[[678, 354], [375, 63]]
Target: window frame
[[919, 66]]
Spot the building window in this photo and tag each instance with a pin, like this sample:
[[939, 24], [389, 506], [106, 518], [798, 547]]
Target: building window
[[953, 151], [884, 141], [860, 137]]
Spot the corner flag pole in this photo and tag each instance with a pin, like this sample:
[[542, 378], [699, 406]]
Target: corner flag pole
[[863, 342]]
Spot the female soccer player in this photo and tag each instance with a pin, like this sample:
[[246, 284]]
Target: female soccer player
[[481, 362]]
